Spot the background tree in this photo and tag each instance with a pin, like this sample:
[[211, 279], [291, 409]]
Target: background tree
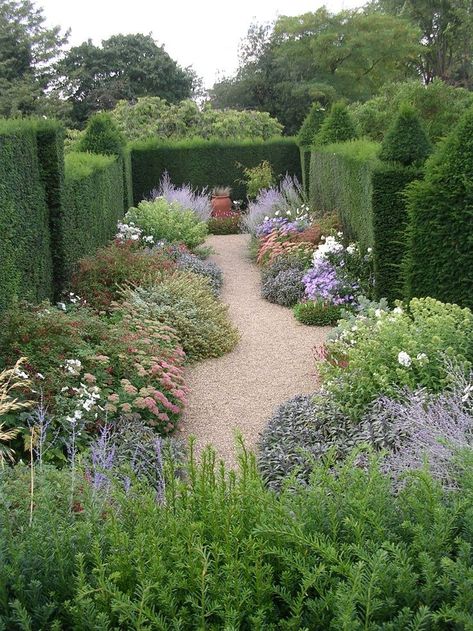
[[446, 28], [28, 52], [124, 67], [320, 56]]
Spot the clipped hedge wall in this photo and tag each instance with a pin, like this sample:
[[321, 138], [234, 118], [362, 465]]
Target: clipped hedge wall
[[26, 269], [341, 181], [92, 205], [390, 222], [208, 163]]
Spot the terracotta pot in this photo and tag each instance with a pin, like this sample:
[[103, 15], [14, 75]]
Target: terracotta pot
[[221, 206]]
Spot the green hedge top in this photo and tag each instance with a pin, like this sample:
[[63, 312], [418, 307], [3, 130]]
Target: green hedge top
[[208, 163], [81, 165]]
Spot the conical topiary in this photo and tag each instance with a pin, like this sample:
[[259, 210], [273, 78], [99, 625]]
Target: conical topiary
[[406, 141], [311, 125], [439, 262], [338, 126], [102, 136]]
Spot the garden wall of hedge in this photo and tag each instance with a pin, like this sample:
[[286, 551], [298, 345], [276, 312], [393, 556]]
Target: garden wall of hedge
[[368, 195], [93, 204], [52, 212], [26, 267], [208, 163]]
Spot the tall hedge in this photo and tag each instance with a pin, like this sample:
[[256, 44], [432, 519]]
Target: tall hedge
[[440, 207], [92, 206], [390, 222], [25, 253], [208, 163], [341, 182]]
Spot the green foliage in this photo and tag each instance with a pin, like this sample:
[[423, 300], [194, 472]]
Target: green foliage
[[128, 66], [440, 254], [406, 140], [439, 105], [388, 350], [337, 126], [390, 222], [102, 136], [152, 117], [208, 163], [186, 302], [319, 56], [341, 183], [26, 269], [317, 313], [222, 551], [92, 206], [167, 221], [28, 52], [225, 225], [257, 178], [100, 276], [311, 125]]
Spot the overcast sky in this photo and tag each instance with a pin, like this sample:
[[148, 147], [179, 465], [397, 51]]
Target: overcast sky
[[199, 33]]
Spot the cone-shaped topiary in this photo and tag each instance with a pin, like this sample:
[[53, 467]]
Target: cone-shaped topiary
[[406, 141], [338, 126], [102, 136], [311, 125], [439, 262]]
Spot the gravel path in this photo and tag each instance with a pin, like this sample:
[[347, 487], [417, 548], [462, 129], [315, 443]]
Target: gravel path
[[273, 361]]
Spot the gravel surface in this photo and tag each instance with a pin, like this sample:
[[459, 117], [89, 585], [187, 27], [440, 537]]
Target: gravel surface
[[273, 361]]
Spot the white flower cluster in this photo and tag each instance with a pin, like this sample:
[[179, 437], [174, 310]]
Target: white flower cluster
[[405, 359], [72, 298], [73, 366], [329, 246], [87, 398], [128, 232]]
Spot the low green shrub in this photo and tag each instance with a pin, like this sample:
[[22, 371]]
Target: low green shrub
[[225, 225], [166, 221], [220, 551], [383, 351], [317, 313], [188, 262], [99, 277], [185, 301], [258, 177]]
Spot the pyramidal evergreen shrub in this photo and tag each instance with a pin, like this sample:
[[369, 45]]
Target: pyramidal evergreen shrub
[[406, 141], [439, 261], [338, 126], [102, 136], [311, 125]]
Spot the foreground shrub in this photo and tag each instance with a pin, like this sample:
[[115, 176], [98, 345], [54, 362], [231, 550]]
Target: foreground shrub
[[224, 552], [186, 300], [384, 350], [162, 220], [410, 430], [317, 313], [83, 370], [99, 277], [225, 225]]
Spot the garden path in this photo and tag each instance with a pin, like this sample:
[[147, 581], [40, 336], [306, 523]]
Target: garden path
[[273, 361]]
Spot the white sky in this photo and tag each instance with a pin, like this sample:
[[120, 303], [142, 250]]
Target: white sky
[[201, 33]]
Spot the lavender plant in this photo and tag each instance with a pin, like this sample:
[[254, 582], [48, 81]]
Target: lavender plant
[[286, 288], [184, 196]]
